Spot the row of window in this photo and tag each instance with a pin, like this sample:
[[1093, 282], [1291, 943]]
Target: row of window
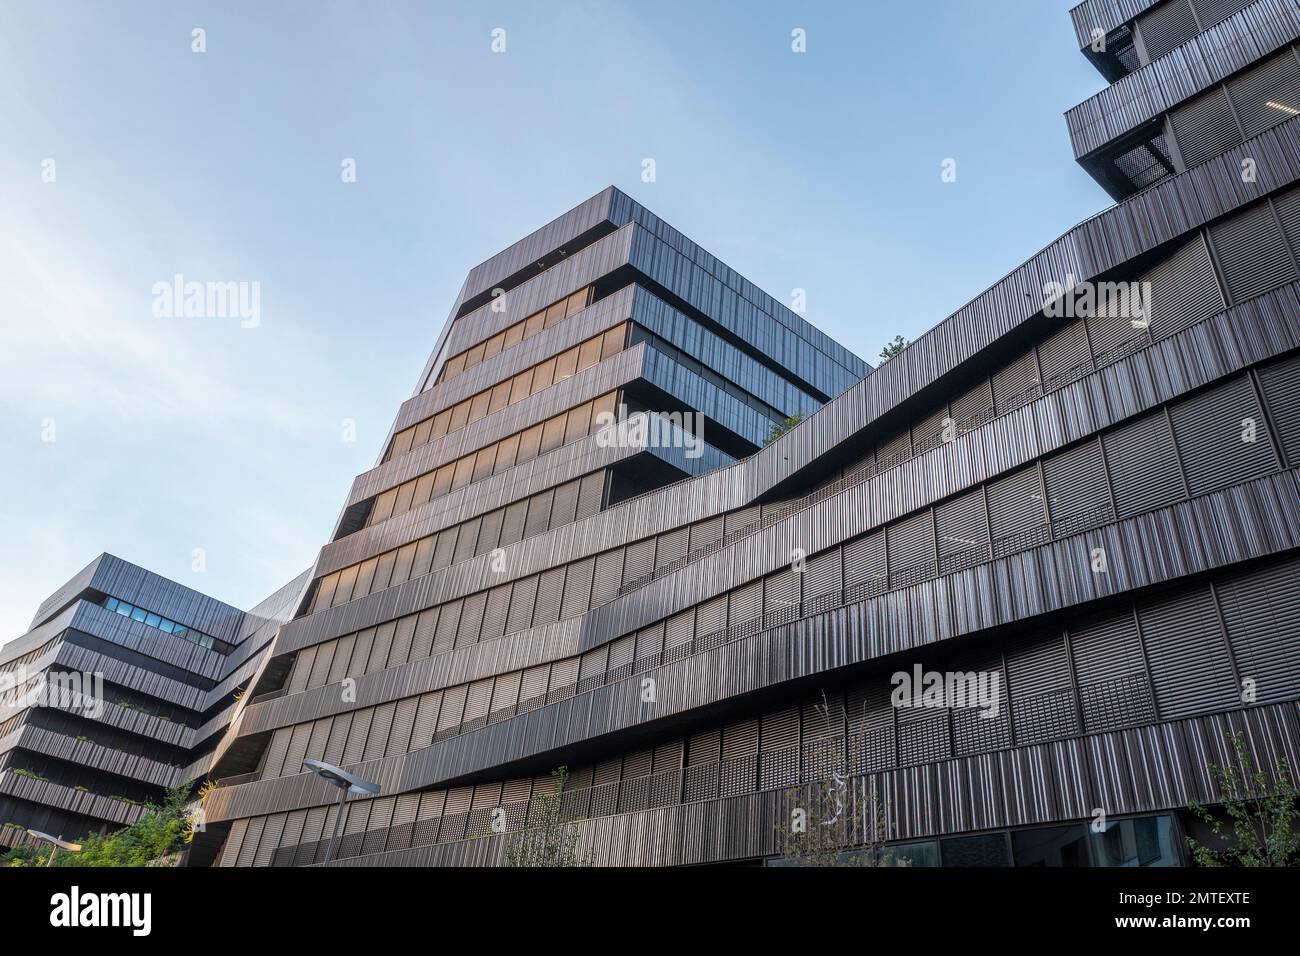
[[514, 389], [166, 625], [561, 505], [561, 429], [1140, 841], [536, 323], [1196, 446], [1165, 657]]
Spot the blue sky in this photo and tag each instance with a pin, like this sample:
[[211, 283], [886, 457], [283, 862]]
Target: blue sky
[[818, 170]]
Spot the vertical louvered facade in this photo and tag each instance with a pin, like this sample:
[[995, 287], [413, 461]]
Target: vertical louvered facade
[[1100, 514]]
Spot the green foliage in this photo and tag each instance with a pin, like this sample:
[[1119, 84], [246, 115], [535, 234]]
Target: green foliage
[[779, 430], [1262, 811], [547, 839], [24, 772], [159, 833], [893, 348]]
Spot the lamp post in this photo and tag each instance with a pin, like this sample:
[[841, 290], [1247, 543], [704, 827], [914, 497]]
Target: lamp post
[[56, 844], [346, 783]]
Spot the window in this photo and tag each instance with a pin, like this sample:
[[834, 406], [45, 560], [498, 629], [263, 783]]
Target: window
[[163, 624], [1148, 841], [1051, 846]]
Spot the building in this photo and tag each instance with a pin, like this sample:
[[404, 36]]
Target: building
[[1095, 511], [121, 689]]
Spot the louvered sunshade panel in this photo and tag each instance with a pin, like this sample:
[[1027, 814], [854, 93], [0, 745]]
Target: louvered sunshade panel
[[590, 494], [608, 576], [961, 531], [533, 686], [1109, 665], [273, 764], [1167, 27], [1281, 385], [672, 547], [649, 647], [742, 519], [470, 626], [380, 726], [302, 665], [538, 518], [1042, 696], [1064, 357], [505, 695], [355, 747], [453, 708], [496, 612], [679, 631], [1016, 512], [1288, 211], [894, 450], [822, 575], [706, 534], [1209, 432], [564, 507], [336, 742], [704, 747], [1016, 383], [550, 592], [1184, 290], [928, 432], [523, 596], [449, 618], [1189, 660], [745, 604], [781, 595], [1145, 472], [911, 549], [1252, 253], [823, 716], [1211, 13], [426, 720], [1261, 612], [577, 588], [1205, 127], [864, 565], [1078, 493], [974, 407], [1267, 94]]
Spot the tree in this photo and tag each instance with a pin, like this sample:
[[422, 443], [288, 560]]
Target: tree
[[1262, 813], [779, 430], [547, 839], [893, 348], [831, 823]]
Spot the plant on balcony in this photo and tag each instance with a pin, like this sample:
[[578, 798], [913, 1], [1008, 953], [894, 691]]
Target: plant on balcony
[[547, 839], [779, 430], [156, 839], [32, 774]]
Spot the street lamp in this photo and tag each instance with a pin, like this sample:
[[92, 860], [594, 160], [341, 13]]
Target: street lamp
[[346, 783], [56, 844]]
